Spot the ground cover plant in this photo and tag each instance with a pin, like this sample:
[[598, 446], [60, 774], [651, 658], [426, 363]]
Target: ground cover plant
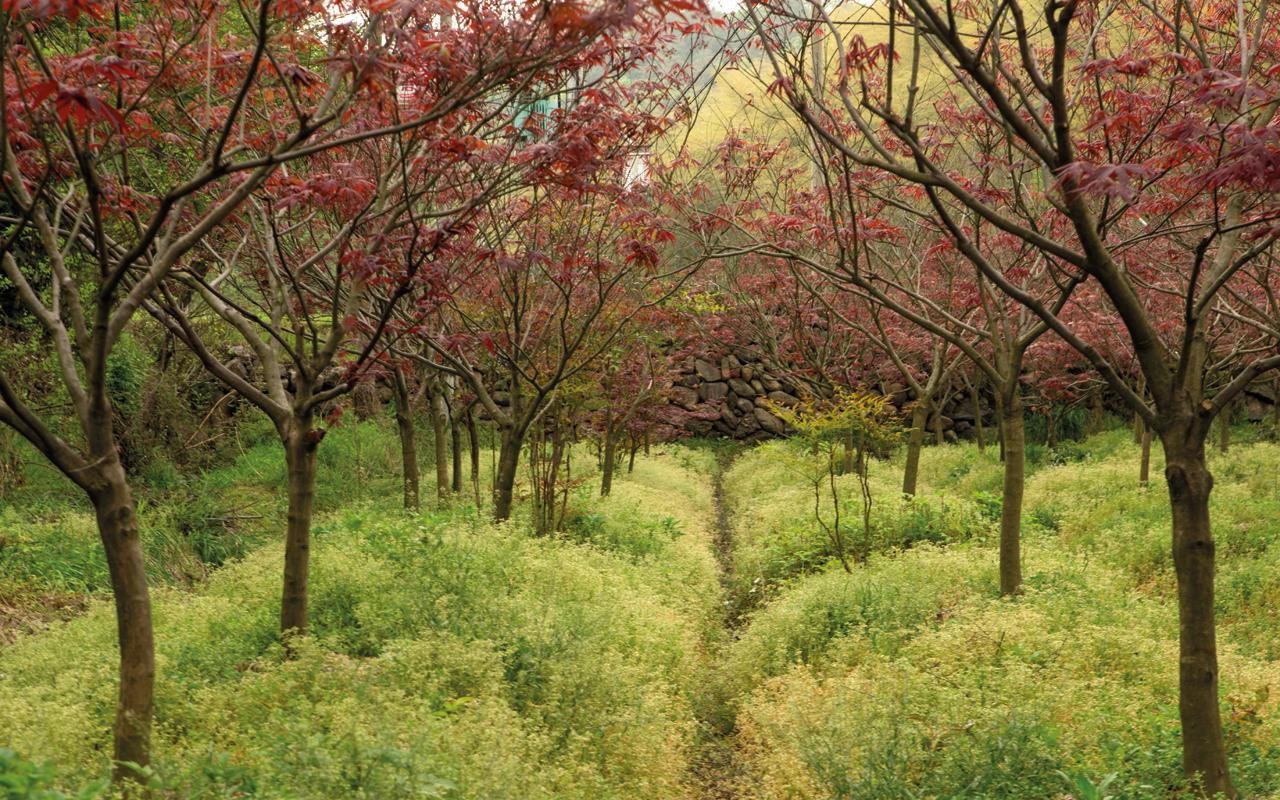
[[872, 399]]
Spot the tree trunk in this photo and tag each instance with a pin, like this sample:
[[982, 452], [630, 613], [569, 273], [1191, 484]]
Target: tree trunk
[[939, 436], [911, 472], [408, 444], [439, 425], [300, 443], [1096, 412], [610, 456], [631, 459], [1203, 747], [118, 528], [1011, 502], [504, 477], [850, 455]]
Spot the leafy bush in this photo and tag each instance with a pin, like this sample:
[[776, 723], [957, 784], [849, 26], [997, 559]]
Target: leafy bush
[[22, 780]]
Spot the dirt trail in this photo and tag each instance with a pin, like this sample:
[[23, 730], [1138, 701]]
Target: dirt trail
[[717, 771]]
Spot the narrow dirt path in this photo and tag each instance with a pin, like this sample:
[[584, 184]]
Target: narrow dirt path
[[716, 768]]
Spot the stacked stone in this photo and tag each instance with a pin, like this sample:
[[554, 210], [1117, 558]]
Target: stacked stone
[[729, 393]]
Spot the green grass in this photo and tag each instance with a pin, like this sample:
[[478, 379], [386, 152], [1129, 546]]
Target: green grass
[[454, 658], [449, 658], [912, 678], [190, 523]]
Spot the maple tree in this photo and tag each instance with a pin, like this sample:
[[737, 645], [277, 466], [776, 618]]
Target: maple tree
[[877, 273], [314, 281], [633, 376], [551, 278], [1136, 153], [142, 144]]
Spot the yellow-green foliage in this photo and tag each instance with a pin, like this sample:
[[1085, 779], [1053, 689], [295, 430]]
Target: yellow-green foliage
[[911, 678], [663, 514], [1101, 511], [449, 658], [776, 538]]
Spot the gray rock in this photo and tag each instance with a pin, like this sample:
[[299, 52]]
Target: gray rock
[[706, 370], [741, 388], [1254, 410], [713, 391], [784, 399], [746, 427], [748, 372], [744, 405], [771, 384], [769, 422], [758, 386], [684, 397], [963, 411], [699, 427]]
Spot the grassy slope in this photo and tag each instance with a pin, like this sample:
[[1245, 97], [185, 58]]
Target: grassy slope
[[912, 679], [451, 657]]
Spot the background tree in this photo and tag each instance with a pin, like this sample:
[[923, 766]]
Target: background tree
[[312, 278]]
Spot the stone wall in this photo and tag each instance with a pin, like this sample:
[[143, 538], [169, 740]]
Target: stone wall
[[725, 395]]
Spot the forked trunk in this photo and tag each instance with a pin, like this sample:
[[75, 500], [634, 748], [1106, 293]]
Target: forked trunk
[[504, 477], [118, 528], [1011, 501], [911, 471], [1204, 754], [408, 444], [631, 458], [300, 443]]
